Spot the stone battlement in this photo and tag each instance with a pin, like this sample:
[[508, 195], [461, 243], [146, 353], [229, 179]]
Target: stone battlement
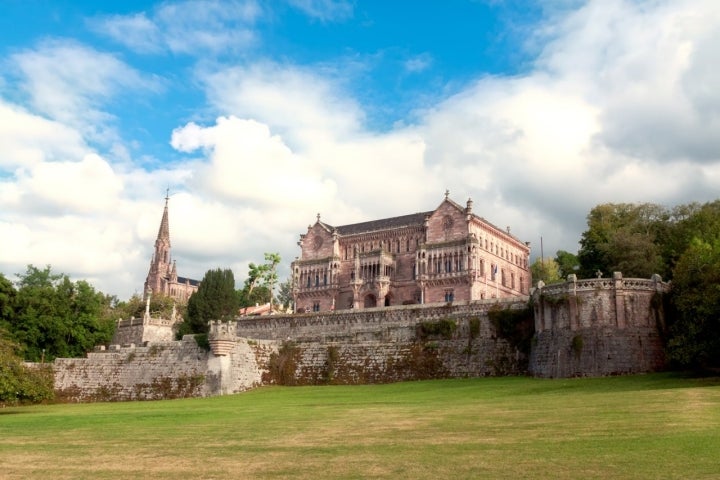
[[347, 322], [582, 328], [595, 327]]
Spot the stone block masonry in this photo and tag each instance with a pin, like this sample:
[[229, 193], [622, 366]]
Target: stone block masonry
[[379, 345], [159, 371], [581, 328], [598, 327]]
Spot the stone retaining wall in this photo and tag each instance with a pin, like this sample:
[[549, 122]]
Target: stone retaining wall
[[598, 327], [589, 327], [161, 370]]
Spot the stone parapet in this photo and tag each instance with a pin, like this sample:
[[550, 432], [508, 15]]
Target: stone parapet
[[351, 323], [601, 326]]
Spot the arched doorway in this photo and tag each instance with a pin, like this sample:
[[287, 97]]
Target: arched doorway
[[370, 301]]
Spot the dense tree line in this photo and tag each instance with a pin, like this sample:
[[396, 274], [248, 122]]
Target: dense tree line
[[50, 316], [683, 245], [43, 316]]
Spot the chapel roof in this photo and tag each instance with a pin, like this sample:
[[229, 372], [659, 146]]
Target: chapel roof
[[411, 220], [192, 282]]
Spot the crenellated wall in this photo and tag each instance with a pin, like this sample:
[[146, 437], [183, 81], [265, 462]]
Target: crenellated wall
[[378, 345], [598, 327], [582, 328], [369, 346], [139, 331], [160, 370]]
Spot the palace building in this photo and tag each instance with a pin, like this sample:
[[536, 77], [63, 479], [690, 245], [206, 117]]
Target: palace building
[[445, 255], [162, 278]]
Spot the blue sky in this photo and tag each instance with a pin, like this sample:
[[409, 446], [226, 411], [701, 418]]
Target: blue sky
[[258, 115]]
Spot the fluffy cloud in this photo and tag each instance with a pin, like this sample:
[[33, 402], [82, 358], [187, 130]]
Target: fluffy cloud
[[189, 27], [27, 139], [621, 105], [325, 10], [72, 83]]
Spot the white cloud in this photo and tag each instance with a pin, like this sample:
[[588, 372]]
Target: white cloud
[[136, 31], [303, 105], [325, 10], [85, 186], [418, 63], [193, 27], [248, 164], [621, 105], [71, 83], [27, 139]]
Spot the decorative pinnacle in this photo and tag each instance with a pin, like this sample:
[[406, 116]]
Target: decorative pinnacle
[[318, 217], [447, 194]]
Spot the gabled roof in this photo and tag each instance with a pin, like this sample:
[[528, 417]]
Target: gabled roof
[[192, 282], [412, 220]]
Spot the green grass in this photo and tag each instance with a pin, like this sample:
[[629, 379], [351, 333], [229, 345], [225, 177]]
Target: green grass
[[652, 426]]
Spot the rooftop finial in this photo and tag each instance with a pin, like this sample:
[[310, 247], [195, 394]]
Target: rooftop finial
[[167, 195], [447, 194], [318, 217]]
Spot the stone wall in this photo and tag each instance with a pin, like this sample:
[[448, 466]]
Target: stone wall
[[380, 345], [160, 370], [598, 327], [138, 331], [582, 328]]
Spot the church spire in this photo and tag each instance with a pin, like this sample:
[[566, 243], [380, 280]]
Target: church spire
[[164, 231]]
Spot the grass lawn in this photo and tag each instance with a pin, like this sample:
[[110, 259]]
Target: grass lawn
[[648, 426]]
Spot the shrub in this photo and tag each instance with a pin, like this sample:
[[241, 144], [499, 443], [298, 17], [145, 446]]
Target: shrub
[[515, 326], [282, 365], [440, 328]]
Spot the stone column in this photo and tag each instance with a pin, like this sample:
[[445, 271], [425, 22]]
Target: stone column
[[619, 290], [572, 301]]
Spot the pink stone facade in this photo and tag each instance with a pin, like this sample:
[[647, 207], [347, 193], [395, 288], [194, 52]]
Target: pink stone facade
[[162, 277], [442, 256]]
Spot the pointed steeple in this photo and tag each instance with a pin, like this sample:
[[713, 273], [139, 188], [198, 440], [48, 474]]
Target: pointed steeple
[[161, 263], [164, 231]]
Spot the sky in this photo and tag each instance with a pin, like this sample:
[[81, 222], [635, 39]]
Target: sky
[[256, 116]]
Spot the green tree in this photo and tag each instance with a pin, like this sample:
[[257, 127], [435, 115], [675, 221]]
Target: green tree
[[623, 237], [55, 317], [567, 263], [695, 327], [215, 299], [18, 383], [260, 283], [285, 296], [546, 270], [160, 306], [8, 299]]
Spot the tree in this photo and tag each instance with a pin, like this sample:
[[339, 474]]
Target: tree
[[272, 260], [567, 263], [623, 237], [260, 283], [546, 270], [55, 317], [18, 383], [215, 299], [695, 327], [285, 295], [160, 306], [8, 299]]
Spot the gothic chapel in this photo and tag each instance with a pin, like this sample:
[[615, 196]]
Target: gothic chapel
[[445, 255], [162, 278]]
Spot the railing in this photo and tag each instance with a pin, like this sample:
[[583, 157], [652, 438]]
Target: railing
[[617, 283], [140, 321]]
